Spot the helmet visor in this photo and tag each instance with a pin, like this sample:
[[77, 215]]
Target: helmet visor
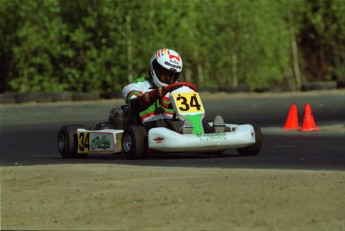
[[167, 76]]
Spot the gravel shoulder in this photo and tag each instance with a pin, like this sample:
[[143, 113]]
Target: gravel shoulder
[[120, 197]]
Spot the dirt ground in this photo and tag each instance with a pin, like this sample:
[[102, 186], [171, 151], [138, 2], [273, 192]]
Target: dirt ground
[[120, 197]]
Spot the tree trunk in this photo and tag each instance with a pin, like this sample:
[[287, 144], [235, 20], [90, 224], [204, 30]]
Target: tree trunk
[[234, 71], [294, 50], [296, 69], [129, 49], [188, 74]]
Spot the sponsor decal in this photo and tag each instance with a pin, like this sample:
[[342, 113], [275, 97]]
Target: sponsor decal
[[212, 137], [175, 62], [173, 65], [174, 57], [158, 139], [100, 143]]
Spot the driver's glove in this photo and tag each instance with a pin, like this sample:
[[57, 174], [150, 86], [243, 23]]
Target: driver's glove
[[152, 96], [140, 103]]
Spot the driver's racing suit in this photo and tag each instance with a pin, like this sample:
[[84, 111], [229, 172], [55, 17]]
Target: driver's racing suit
[[148, 112]]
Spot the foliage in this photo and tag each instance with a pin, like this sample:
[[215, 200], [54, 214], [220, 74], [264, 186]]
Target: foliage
[[322, 39], [101, 45]]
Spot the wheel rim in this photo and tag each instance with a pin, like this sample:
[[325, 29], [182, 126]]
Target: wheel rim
[[61, 142], [127, 143]]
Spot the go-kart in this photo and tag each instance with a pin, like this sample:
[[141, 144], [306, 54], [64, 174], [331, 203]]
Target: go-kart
[[124, 133]]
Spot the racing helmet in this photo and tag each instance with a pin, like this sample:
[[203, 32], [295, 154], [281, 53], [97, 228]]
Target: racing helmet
[[165, 67]]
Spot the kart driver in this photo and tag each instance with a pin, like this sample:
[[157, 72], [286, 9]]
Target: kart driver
[[145, 94]]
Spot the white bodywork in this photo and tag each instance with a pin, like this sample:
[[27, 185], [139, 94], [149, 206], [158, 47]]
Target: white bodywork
[[165, 140]]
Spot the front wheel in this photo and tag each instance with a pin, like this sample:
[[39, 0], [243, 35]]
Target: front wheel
[[255, 148], [68, 142], [134, 142]]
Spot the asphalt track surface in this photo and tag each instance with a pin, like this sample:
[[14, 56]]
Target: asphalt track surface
[[28, 133]]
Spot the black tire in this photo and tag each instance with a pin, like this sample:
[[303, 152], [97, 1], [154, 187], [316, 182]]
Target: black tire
[[255, 148], [68, 142], [134, 142]]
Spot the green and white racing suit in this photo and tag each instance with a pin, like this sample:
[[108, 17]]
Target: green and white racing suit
[[148, 113]]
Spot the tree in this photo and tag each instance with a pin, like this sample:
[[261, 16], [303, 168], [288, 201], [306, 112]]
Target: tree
[[322, 39]]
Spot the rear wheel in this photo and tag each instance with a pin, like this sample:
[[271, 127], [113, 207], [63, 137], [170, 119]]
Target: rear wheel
[[255, 148], [68, 142], [134, 142]]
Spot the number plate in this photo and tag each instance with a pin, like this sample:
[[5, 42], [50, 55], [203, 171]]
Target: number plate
[[84, 141], [188, 103], [95, 141]]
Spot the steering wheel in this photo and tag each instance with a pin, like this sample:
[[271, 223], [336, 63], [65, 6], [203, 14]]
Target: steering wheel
[[177, 85]]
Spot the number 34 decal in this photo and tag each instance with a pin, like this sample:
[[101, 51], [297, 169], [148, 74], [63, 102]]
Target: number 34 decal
[[84, 141], [188, 102]]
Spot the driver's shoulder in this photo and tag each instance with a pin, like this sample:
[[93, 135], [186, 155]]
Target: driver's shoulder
[[143, 83], [141, 79]]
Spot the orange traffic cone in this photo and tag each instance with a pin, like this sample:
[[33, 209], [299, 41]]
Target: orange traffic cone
[[308, 120], [292, 119]]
